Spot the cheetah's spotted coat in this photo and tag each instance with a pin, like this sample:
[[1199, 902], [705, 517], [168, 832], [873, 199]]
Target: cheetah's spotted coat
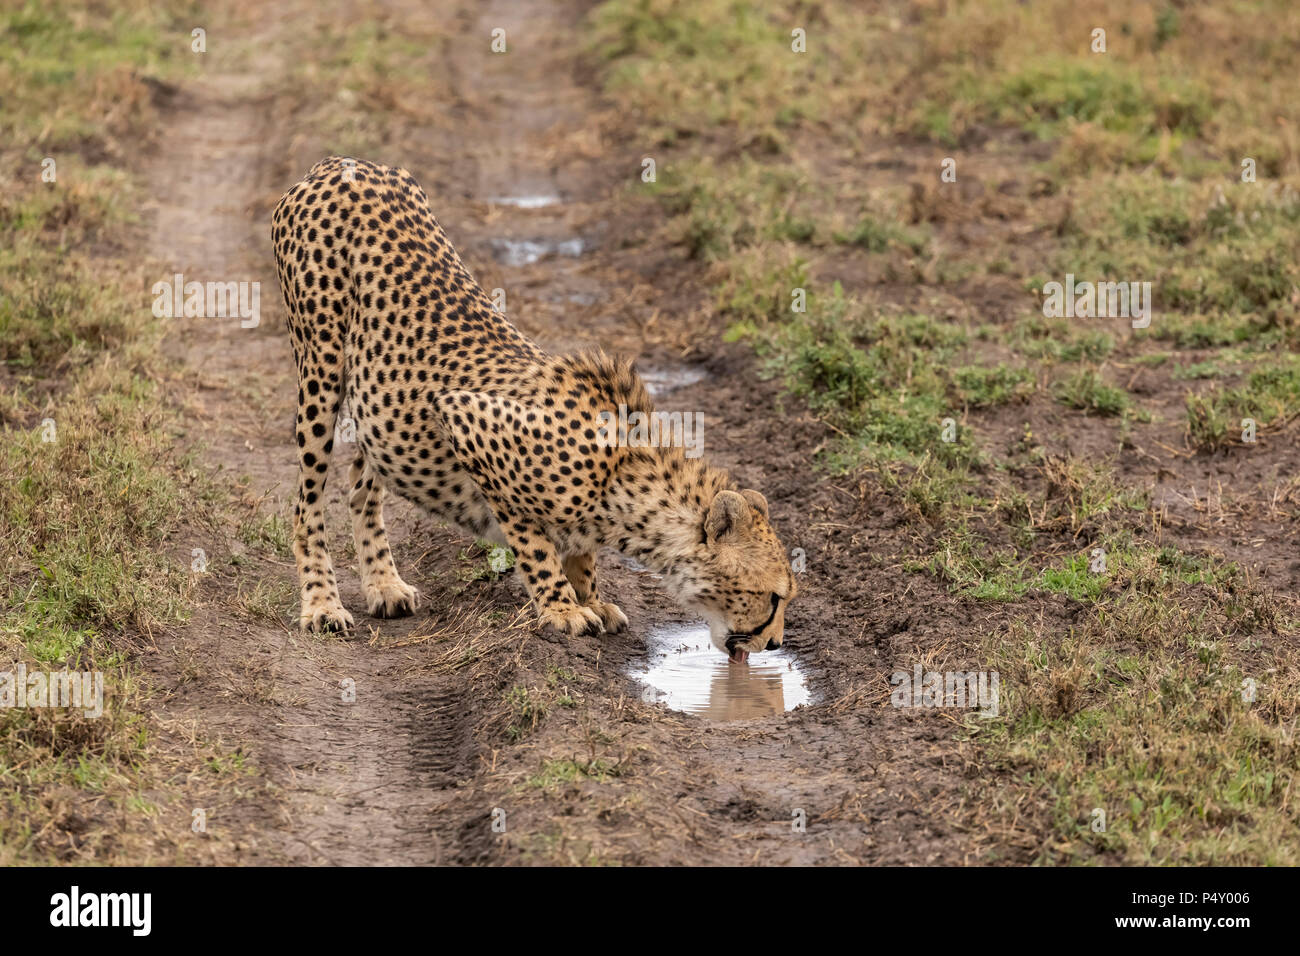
[[457, 411]]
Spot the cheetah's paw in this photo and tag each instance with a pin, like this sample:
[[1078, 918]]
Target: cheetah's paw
[[610, 614], [571, 619], [394, 598], [323, 615]]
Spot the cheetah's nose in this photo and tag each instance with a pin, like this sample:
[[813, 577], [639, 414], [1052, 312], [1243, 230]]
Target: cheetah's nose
[[772, 644]]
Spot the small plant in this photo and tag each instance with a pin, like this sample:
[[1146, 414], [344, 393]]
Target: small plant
[[1086, 391], [876, 235], [1269, 397], [526, 711]]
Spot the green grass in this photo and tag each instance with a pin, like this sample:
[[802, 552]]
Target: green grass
[[1270, 396], [1157, 95], [1138, 710], [528, 706], [264, 600], [724, 210], [1094, 576], [555, 773], [75, 75], [983, 386], [91, 483], [1086, 390], [1050, 94], [83, 520], [272, 531], [878, 235], [693, 56], [358, 80], [485, 561], [1221, 252], [82, 513], [1198, 370], [885, 381], [1056, 340], [56, 303]]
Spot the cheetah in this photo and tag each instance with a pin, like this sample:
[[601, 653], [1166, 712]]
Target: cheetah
[[457, 411]]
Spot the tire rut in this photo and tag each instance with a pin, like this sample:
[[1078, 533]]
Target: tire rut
[[359, 780]]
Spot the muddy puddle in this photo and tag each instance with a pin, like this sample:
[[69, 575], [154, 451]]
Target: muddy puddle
[[660, 380], [687, 673], [524, 252]]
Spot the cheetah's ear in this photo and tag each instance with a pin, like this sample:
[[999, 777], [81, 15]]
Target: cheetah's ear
[[728, 516], [756, 501]]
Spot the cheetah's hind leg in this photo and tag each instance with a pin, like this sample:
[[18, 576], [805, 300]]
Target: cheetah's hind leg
[[321, 609], [387, 595]]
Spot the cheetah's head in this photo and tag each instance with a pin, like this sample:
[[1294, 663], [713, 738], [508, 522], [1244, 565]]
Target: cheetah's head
[[741, 580]]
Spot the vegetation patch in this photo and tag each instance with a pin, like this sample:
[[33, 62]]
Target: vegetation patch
[[91, 482]]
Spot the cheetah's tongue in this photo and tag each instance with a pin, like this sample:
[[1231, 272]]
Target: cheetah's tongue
[[738, 656]]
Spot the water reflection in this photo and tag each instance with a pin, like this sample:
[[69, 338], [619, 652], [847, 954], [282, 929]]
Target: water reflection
[[687, 673], [660, 380]]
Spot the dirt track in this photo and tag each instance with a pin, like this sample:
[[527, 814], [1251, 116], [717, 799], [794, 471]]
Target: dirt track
[[411, 772]]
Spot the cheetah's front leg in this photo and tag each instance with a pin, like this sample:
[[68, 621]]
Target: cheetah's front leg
[[492, 438], [539, 565], [580, 569]]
